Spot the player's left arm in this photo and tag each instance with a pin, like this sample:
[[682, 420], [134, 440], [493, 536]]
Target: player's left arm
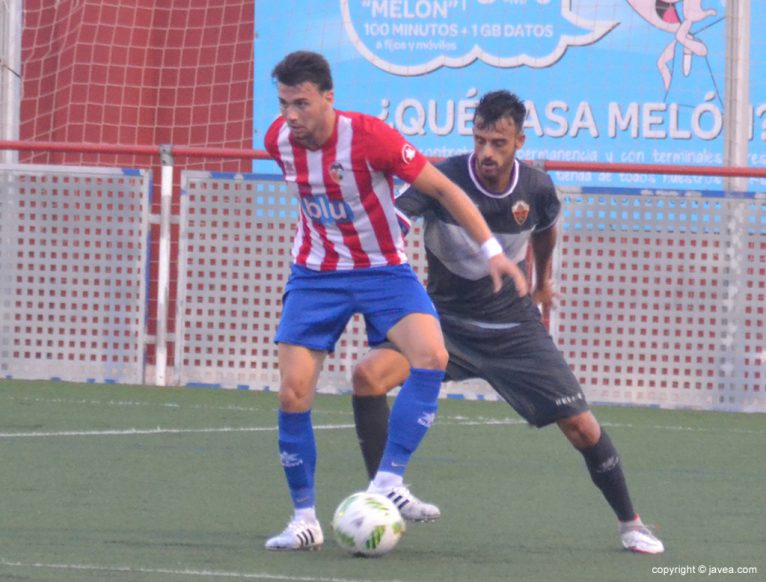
[[543, 243], [544, 238]]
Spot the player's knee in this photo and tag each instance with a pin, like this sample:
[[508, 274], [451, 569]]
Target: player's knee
[[441, 359], [582, 430], [366, 382], [289, 401], [295, 395], [433, 359]]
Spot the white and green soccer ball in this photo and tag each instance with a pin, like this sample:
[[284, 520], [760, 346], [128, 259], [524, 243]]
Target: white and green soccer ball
[[367, 524]]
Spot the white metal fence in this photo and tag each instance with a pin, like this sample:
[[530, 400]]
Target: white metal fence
[[73, 285], [663, 294], [663, 298]]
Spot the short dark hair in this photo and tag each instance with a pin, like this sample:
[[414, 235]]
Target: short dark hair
[[495, 105], [301, 67]]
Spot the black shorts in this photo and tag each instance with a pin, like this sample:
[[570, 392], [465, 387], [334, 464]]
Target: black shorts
[[520, 362]]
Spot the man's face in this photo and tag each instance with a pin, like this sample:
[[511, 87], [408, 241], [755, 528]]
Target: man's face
[[308, 112], [495, 148]]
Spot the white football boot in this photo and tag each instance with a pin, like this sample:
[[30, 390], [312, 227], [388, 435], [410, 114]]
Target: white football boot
[[300, 534], [410, 507], [636, 537]]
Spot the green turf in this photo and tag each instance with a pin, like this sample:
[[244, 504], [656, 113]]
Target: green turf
[[79, 503]]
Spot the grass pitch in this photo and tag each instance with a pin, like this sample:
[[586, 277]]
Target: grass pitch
[[132, 483]]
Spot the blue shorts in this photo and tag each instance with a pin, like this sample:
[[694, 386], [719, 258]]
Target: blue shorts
[[317, 305]]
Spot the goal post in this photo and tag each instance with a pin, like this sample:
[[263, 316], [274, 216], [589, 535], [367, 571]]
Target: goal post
[[10, 75]]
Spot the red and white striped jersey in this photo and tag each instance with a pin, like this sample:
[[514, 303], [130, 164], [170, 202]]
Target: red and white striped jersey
[[346, 192]]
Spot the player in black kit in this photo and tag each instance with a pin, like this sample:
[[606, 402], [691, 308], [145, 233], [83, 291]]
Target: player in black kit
[[499, 337]]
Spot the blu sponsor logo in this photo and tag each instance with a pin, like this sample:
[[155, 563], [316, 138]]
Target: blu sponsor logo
[[320, 209]]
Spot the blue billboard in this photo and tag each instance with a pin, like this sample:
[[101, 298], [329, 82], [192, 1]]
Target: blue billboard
[[629, 81]]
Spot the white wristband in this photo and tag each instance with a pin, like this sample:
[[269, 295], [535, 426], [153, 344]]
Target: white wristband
[[491, 248]]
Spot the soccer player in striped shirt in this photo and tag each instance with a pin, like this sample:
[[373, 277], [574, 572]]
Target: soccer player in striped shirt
[[348, 258]]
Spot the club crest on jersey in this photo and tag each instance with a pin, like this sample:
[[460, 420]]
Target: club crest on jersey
[[336, 172], [320, 209], [520, 212], [408, 153]]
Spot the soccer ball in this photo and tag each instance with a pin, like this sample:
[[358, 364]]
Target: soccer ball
[[367, 524]]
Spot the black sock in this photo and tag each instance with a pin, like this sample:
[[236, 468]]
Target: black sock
[[371, 420], [605, 469]]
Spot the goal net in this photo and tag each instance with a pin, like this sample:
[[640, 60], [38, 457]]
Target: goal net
[[129, 73]]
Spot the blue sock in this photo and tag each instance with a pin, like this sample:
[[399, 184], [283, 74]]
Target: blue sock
[[412, 414], [298, 455]]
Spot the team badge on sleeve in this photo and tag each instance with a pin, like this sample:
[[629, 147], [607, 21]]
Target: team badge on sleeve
[[520, 212], [408, 153]]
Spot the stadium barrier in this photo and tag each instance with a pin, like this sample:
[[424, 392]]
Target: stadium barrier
[[73, 261], [662, 291], [663, 297]]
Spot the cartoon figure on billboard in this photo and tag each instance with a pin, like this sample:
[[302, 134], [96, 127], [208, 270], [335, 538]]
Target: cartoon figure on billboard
[[663, 14]]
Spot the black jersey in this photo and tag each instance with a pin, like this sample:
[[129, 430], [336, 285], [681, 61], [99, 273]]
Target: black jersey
[[458, 274]]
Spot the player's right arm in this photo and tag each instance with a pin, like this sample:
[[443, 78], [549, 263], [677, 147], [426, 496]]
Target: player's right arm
[[433, 183]]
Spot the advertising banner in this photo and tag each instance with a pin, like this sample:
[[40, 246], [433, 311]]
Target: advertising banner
[[630, 81]]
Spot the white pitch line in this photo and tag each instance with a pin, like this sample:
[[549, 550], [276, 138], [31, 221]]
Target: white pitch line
[[157, 431], [449, 421], [679, 428], [135, 404], [174, 572]]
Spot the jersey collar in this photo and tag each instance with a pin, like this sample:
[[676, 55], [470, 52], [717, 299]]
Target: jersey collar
[[483, 190]]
